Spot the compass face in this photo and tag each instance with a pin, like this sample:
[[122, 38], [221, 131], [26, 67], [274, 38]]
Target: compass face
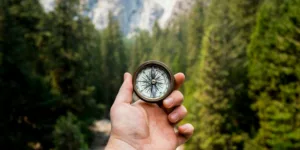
[[153, 82]]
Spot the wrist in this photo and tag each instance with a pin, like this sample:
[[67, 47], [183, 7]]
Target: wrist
[[115, 143]]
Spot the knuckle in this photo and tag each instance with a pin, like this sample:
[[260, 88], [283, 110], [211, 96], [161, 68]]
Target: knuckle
[[178, 95]]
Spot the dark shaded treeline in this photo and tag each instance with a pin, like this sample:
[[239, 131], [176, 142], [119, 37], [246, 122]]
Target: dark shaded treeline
[[55, 70]]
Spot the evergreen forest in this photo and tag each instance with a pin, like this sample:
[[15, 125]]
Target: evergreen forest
[[241, 59]]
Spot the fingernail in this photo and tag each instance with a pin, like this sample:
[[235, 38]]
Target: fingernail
[[185, 127], [168, 102], [174, 117]]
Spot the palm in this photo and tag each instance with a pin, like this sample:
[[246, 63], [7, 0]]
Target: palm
[[151, 125]]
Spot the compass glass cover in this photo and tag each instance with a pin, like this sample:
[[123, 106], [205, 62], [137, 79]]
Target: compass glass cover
[[152, 82]]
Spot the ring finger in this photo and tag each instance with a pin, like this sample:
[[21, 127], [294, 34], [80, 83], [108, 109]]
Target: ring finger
[[177, 114]]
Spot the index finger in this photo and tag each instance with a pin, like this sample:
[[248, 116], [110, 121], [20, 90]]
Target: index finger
[[179, 79]]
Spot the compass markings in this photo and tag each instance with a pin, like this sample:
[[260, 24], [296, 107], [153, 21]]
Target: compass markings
[[146, 84]]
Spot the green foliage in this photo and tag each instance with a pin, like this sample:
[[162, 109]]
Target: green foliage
[[58, 73], [69, 67], [274, 74], [114, 62], [142, 48], [166, 45], [195, 34], [67, 134], [20, 71], [221, 94], [45, 64]]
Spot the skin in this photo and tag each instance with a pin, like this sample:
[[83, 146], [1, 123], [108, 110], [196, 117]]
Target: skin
[[142, 125]]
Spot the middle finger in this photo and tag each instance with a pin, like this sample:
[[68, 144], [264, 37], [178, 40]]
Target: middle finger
[[177, 114], [175, 99]]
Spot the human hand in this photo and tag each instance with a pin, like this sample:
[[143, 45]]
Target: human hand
[[142, 125]]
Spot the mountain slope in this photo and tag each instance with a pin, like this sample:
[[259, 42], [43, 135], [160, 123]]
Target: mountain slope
[[133, 15]]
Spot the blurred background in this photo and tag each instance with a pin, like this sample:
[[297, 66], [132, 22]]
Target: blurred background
[[62, 63]]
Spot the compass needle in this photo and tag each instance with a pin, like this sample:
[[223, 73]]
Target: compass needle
[[156, 72], [153, 91], [152, 73]]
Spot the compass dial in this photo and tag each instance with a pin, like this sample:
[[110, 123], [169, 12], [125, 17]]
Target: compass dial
[[153, 81]]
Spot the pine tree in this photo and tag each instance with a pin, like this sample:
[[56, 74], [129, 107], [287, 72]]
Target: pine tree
[[69, 50], [195, 32], [156, 32], [159, 40], [114, 61], [176, 41], [168, 45], [274, 61], [23, 90], [67, 133], [141, 50], [222, 115]]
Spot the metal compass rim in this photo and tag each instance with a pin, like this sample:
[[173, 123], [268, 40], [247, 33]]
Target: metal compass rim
[[169, 73]]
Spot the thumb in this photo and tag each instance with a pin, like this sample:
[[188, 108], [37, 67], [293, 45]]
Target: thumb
[[125, 92]]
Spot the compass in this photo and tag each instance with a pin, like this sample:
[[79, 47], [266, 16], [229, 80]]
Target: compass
[[153, 81]]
